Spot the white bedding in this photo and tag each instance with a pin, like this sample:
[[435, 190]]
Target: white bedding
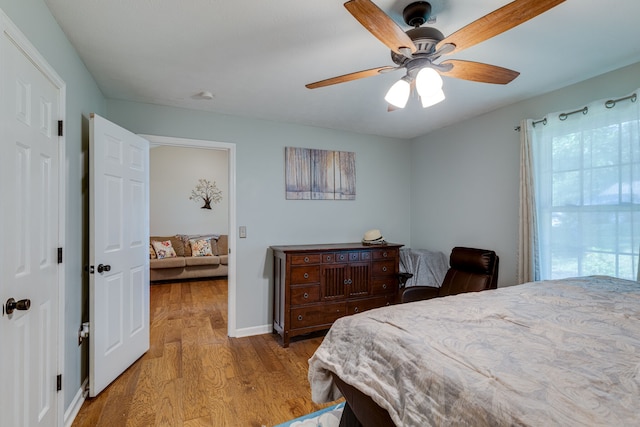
[[548, 353]]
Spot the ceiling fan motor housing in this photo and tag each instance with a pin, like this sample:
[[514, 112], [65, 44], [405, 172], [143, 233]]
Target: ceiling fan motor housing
[[425, 39]]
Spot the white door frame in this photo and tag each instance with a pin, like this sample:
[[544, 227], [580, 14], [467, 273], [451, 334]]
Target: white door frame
[[155, 141], [12, 31]]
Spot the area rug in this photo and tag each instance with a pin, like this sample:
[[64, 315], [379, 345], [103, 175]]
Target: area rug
[[327, 417]]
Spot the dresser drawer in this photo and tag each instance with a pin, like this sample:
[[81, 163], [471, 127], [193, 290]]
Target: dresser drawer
[[385, 253], [304, 294], [383, 267], [329, 257], [358, 306], [306, 259], [384, 285], [305, 274], [322, 314]]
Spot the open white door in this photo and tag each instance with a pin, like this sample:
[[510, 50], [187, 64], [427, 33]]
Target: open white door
[[30, 234], [118, 251]]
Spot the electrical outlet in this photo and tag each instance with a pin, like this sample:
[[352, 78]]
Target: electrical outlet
[[243, 232]]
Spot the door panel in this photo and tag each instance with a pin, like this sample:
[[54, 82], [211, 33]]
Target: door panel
[[119, 236], [29, 232]]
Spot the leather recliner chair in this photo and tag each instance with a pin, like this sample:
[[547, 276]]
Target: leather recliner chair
[[471, 270]]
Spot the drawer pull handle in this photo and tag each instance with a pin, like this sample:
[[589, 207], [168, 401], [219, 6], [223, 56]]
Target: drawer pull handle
[[306, 275], [388, 303], [356, 310], [341, 257], [346, 282], [384, 268], [384, 286], [306, 295], [306, 259], [328, 257], [300, 317], [384, 254]]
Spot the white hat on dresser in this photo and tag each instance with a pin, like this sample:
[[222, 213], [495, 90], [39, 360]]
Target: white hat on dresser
[[373, 237]]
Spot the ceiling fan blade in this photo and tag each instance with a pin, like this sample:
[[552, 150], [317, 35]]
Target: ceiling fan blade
[[380, 25], [478, 72], [497, 22], [349, 77]]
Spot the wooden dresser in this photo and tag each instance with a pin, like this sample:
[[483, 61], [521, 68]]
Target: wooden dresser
[[314, 285]]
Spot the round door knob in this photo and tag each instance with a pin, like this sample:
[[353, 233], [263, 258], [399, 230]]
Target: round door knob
[[102, 268], [12, 305]]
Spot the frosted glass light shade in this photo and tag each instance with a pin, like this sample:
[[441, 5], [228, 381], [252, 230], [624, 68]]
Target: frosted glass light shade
[[432, 98], [398, 94], [428, 81]]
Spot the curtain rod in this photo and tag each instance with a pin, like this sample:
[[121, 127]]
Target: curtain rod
[[563, 116]]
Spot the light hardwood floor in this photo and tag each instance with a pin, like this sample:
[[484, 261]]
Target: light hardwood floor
[[194, 375]]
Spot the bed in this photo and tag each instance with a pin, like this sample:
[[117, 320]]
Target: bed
[[564, 352]]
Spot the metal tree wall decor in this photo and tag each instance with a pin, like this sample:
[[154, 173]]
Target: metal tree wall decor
[[206, 191]]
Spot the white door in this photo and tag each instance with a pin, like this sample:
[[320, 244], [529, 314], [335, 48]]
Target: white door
[[118, 251], [29, 236]]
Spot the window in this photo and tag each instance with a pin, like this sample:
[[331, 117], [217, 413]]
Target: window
[[587, 192]]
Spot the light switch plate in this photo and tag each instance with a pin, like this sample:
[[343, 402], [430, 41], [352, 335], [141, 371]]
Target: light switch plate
[[243, 232]]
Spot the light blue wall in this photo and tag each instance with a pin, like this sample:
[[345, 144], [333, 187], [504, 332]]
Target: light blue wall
[[33, 18], [382, 185], [465, 178]]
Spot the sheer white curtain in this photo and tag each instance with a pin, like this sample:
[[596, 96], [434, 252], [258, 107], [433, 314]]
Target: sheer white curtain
[[580, 192]]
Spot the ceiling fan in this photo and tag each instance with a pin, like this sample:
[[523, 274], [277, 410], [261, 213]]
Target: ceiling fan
[[419, 49]]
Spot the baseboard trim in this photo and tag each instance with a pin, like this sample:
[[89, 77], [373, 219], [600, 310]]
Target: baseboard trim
[[255, 330], [72, 411]]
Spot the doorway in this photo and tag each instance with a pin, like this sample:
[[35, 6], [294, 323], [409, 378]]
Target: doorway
[[230, 149]]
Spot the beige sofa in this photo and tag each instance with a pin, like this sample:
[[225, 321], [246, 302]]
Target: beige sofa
[[186, 266]]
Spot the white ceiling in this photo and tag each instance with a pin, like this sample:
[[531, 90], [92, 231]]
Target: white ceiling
[[255, 56]]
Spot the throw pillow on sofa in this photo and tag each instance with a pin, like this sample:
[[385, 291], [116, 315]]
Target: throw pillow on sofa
[[200, 247], [152, 252], [164, 249]]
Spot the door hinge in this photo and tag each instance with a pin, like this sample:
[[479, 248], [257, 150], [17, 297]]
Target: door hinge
[[59, 255], [60, 127], [59, 382]]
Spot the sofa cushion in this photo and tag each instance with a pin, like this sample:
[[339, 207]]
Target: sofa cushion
[[188, 251], [200, 247], [177, 262], [202, 260], [224, 259], [164, 249], [176, 243], [223, 245]]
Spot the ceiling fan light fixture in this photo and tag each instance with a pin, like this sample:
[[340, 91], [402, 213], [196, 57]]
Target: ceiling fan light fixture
[[432, 98], [428, 82], [398, 94]]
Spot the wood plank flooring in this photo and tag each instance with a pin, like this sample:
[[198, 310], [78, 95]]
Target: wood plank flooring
[[194, 375]]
